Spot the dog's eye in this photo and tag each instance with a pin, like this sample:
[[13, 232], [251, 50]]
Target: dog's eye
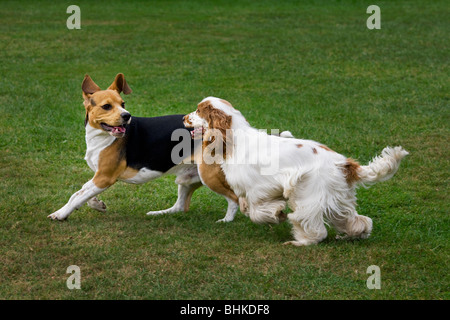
[[106, 107], [123, 105]]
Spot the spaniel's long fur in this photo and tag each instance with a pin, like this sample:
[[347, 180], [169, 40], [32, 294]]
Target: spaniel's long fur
[[267, 171]]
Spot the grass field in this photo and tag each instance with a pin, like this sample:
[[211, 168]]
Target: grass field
[[312, 68]]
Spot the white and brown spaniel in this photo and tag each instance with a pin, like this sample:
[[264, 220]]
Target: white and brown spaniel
[[267, 172]]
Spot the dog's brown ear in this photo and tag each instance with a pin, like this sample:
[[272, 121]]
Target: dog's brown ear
[[120, 84], [220, 120], [89, 86]]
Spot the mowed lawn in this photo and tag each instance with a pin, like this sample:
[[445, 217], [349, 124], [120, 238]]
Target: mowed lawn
[[313, 68]]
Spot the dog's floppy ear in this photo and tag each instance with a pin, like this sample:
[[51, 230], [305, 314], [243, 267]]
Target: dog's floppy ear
[[220, 120], [217, 119], [89, 86], [120, 84]]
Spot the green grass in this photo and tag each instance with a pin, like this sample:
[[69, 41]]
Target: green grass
[[312, 68]]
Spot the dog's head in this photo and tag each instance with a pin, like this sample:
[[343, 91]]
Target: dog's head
[[105, 109], [208, 116]]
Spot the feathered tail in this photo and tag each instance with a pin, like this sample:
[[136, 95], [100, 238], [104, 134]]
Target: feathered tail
[[382, 167]]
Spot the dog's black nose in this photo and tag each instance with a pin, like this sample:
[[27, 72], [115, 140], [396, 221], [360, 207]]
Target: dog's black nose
[[125, 116]]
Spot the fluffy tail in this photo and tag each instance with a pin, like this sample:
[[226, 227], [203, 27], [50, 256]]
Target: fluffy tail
[[286, 134], [383, 167]]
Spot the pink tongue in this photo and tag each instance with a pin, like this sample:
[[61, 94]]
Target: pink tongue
[[118, 130], [195, 131]]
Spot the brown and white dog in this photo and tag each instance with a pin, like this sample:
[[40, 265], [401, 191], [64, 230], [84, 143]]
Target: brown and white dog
[[318, 184], [133, 150], [211, 173]]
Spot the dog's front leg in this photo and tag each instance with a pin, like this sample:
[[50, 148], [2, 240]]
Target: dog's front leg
[[231, 210], [79, 198]]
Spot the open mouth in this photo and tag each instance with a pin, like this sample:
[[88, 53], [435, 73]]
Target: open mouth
[[117, 131], [197, 133]]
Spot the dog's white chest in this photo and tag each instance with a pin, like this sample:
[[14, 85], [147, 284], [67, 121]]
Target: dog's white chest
[[96, 141]]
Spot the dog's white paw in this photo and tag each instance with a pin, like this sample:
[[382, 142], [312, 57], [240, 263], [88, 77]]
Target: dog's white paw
[[155, 213], [96, 204], [243, 205], [58, 215], [174, 209], [224, 220], [300, 243], [101, 207]]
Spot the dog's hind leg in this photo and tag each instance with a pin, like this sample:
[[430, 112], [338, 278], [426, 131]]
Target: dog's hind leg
[[307, 218], [183, 201], [344, 218], [307, 227], [188, 181], [352, 225], [267, 211]]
